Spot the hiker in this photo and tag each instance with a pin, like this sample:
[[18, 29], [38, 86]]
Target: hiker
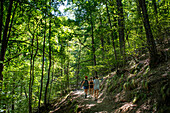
[[91, 86], [96, 87], [81, 83], [86, 86]]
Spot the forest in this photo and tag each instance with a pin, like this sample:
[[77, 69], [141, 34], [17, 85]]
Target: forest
[[47, 47]]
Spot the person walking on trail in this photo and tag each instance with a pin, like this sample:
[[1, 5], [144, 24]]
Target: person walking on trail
[[91, 86], [86, 86], [96, 87]]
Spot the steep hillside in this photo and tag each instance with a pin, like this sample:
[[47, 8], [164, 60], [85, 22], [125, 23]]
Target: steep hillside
[[140, 89]]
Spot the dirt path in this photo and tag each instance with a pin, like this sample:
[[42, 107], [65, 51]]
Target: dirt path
[[89, 105], [86, 105]]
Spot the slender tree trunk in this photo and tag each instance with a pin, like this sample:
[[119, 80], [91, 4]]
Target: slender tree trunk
[[158, 28], [121, 29], [31, 72], [30, 82], [78, 68], [121, 25], [155, 10], [61, 72], [93, 44], [13, 93], [34, 58], [32, 75], [101, 38], [139, 26], [67, 75], [112, 36], [150, 40], [49, 69], [1, 19], [127, 35], [42, 66], [51, 83], [25, 91], [9, 32]]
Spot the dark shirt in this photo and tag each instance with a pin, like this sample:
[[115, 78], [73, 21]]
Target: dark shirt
[[91, 84]]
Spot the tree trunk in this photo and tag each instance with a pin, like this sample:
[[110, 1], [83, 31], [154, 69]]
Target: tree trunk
[[9, 32], [31, 69], [3, 46], [13, 93], [150, 40], [78, 67], [34, 59], [49, 69], [30, 82], [158, 28], [112, 36], [4, 40], [127, 35], [51, 82], [68, 84], [25, 91], [42, 66], [1, 19], [121, 29], [101, 38], [93, 44], [61, 72]]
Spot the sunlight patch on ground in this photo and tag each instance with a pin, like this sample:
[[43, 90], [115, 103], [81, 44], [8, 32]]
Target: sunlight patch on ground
[[79, 92], [102, 112], [100, 101], [90, 105], [120, 96], [100, 94], [127, 107]]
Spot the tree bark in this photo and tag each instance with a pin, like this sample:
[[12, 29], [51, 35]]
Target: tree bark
[[121, 29], [34, 60], [49, 69], [30, 82], [31, 70], [5, 40], [68, 79], [150, 40], [101, 38], [93, 44], [1, 19], [51, 87], [42, 76], [25, 91], [115, 53], [78, 67], [158, 28], [13, 93]]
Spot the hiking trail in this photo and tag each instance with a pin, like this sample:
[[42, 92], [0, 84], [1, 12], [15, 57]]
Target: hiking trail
[[86, 105]]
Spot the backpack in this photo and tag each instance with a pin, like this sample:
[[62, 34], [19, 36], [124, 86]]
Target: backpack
[[86, 84]]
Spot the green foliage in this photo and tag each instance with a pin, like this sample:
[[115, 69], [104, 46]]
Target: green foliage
[[126, 86], [76, 108], [145, 84], [71, 46], [165, 91]]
